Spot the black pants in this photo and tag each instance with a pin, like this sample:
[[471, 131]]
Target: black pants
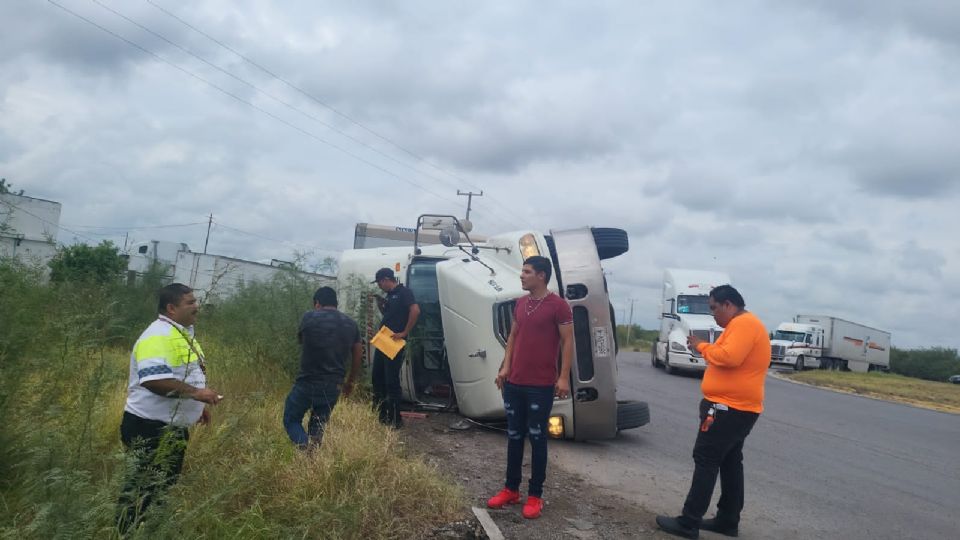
[[719, 450], [157, 450], [385, 380]]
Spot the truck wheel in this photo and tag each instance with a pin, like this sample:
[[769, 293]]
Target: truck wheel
[[666, 364], [610, 242], [653, 355], [800, 362], [631, 414]]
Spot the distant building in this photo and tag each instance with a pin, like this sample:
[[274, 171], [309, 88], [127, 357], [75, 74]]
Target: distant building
[[28, 228]]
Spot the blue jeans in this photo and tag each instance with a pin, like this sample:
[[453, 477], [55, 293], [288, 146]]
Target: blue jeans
[[320, 398], [528, 408]]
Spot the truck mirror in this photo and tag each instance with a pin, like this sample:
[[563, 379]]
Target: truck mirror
[[450, 236]]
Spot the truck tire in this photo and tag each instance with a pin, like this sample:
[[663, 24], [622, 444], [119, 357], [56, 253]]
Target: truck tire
[[610, 242], [800, 364], [666, 363], [632, 414], [653, 355]]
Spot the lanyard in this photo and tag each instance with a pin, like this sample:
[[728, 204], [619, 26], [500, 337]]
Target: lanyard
[[190, 340]]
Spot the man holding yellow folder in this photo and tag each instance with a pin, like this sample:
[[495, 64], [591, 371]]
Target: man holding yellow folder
[[400, 312]]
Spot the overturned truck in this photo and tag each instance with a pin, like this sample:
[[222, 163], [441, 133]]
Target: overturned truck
[[467, 291]]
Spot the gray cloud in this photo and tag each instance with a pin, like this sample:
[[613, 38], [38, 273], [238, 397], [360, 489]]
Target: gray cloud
[[808, 151]]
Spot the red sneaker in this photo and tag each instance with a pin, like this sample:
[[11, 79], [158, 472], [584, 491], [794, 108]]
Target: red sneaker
[[533, 507], [505, 497]]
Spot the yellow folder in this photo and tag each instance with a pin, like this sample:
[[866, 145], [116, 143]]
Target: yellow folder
[[385, 343]]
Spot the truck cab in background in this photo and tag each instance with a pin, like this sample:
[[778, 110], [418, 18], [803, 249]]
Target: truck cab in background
[[830, 343], [685, 311], [467, 291], [797, 345]]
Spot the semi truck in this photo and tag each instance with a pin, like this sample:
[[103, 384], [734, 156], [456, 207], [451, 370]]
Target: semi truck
[[467, 291], [830, 343], [685, 311]]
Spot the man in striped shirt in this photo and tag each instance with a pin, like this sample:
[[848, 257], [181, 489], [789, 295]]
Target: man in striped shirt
[[732, 401]]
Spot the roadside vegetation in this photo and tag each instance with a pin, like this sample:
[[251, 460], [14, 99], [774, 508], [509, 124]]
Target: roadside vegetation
[[635, 338], [941, 396], [64, 360]]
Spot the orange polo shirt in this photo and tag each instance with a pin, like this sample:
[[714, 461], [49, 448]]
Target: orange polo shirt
[[737, 364]]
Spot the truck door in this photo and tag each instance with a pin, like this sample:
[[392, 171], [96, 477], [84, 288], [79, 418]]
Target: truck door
[[468, 294], [594, 370]]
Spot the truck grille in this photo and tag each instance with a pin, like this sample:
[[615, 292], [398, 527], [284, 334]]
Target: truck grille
[[709, 336], [777, 352]]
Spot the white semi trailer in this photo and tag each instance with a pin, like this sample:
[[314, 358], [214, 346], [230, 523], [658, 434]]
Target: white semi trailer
[[830, 343], [467, 292], [685, 311], [213, 277]]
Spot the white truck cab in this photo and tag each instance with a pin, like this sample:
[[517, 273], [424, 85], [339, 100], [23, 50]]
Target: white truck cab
[[467, 291], [797, 345], [685, 311]]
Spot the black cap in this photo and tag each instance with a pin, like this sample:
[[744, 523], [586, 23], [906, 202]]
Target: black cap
[[384, 273]]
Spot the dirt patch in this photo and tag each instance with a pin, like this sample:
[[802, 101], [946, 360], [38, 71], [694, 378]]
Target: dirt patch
[[475, 458]]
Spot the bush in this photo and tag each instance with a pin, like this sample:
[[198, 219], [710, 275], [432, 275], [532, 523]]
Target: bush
[[80, 263], [933, 364], [64, 360]]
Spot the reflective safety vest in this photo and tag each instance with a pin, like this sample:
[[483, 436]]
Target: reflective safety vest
[[165, 350]]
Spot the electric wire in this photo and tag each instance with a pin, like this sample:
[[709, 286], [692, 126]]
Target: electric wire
[[269, 95], [249, 103], [47, 221], [333, 109]]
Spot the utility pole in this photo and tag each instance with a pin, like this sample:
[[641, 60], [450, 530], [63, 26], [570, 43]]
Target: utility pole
[[469, 195], [207, 241], [630, 328]]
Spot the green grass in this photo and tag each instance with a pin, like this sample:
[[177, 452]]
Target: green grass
[[63, 374], [929, 394]]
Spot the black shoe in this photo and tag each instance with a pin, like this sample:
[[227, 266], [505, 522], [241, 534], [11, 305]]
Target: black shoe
[[713, 525], [674, 527]]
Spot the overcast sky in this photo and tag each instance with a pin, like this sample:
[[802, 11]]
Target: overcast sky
[[809, 148]]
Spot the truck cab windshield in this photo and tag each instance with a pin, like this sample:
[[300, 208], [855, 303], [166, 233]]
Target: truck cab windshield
[[795, 337], [695, 305]]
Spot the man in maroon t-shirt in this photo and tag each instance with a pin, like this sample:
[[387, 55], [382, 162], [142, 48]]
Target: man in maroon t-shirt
[[542, 327]]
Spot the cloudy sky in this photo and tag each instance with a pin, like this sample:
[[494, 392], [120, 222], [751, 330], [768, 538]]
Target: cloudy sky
[[809, 148]]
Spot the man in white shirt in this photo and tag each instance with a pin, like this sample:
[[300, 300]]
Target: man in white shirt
[[166, 395]]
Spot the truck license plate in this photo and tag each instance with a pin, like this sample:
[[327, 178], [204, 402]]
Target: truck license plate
[[601, 344]]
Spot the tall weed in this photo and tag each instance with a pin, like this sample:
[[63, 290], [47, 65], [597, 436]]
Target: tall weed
[[64, 360]]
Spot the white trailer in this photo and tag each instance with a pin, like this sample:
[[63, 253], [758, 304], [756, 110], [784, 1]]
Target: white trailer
[[467, 292], [830, 343], [212, 277], [685, 311], [215, 277]]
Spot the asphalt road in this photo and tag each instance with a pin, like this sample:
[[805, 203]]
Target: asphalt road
[[819, 464]]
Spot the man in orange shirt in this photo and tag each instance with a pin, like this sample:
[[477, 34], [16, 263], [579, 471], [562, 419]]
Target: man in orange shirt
[[733, 400]]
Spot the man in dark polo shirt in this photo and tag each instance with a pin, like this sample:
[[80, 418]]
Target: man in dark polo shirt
[[542, 327], [327, 338], [400, 313]]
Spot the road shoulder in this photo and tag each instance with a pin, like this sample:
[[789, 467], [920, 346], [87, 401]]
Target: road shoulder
[[475, 459]]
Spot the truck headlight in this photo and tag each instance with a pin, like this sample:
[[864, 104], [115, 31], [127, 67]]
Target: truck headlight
[[555, 427], [679, 347]]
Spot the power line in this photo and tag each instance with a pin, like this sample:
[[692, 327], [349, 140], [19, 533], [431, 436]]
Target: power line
[[269, 95], [323, 104], [249, 103], [263, 237], [47, 221], [137, 228]]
